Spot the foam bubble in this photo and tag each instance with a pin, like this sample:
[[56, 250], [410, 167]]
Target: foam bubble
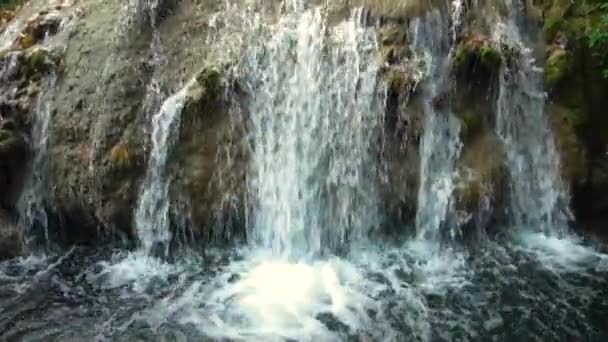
[[560, 254], [135, 269]]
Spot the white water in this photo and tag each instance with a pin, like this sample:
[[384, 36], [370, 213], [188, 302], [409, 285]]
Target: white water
[[441, 145], [262, 297], [152, 215], [561, 254], [10, 34], [314, 119], [539, 200]]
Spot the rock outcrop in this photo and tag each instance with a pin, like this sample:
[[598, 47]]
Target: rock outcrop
[[115, 65], [577, 83]]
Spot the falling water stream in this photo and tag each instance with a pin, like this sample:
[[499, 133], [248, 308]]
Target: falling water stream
[[524, 129], [32, 204], [315, 117], [440, 147], [151, 216], [313, 269]]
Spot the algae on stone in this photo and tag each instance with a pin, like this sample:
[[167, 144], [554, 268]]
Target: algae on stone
[[558, 65]]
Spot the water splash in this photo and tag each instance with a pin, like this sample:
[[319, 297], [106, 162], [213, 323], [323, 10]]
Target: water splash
[[314, 119], [563, 254]]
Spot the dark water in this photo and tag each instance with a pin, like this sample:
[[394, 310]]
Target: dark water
[[528, 288]]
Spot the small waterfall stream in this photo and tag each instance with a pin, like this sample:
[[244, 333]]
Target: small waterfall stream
[[32, 204], [539, 201], [151, 217], [440, 146], [152, 213], [315, 118]]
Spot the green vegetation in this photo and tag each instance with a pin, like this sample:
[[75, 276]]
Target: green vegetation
[[211, 80], [10, 4], [472, 121], [597, 32], [584, 22], [558, 65], [476, 51], [38, 62]]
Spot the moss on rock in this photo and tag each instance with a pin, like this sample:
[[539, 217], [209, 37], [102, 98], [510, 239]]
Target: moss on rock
[[476, 51], [559, 64], [211, 80], [121, 157], [472, 124], [37, 61]]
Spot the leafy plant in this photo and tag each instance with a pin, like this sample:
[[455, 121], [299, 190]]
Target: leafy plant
[[597, 32]]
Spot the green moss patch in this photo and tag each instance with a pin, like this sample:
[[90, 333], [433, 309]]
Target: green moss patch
[[9, 5], [474, 53], [559, 64]]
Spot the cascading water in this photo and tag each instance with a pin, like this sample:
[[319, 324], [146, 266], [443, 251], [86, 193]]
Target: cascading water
[[33, 218], [152, 214], [538, 199], [315, 119], [440, 146], [312, 106], [10, 33], [151, 217]]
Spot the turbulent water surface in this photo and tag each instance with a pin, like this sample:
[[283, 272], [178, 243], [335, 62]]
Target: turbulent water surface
[[527, 287]]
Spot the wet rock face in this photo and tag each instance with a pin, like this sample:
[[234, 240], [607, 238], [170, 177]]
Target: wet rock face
[[27, 62], [112, 86], [113, 79], [23, 74], [10, 239], [14, 152], [577, 100]]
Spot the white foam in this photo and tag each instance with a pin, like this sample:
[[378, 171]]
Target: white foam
[[275, 298], [561, 254], [267, 298], [437, 269], [136, 270]]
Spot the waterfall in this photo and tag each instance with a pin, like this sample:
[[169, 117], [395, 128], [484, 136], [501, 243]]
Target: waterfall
[[538, 198], [33, 219], [314, 117], [151, 217], [309, 89], [10, 33], [440, 145]]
